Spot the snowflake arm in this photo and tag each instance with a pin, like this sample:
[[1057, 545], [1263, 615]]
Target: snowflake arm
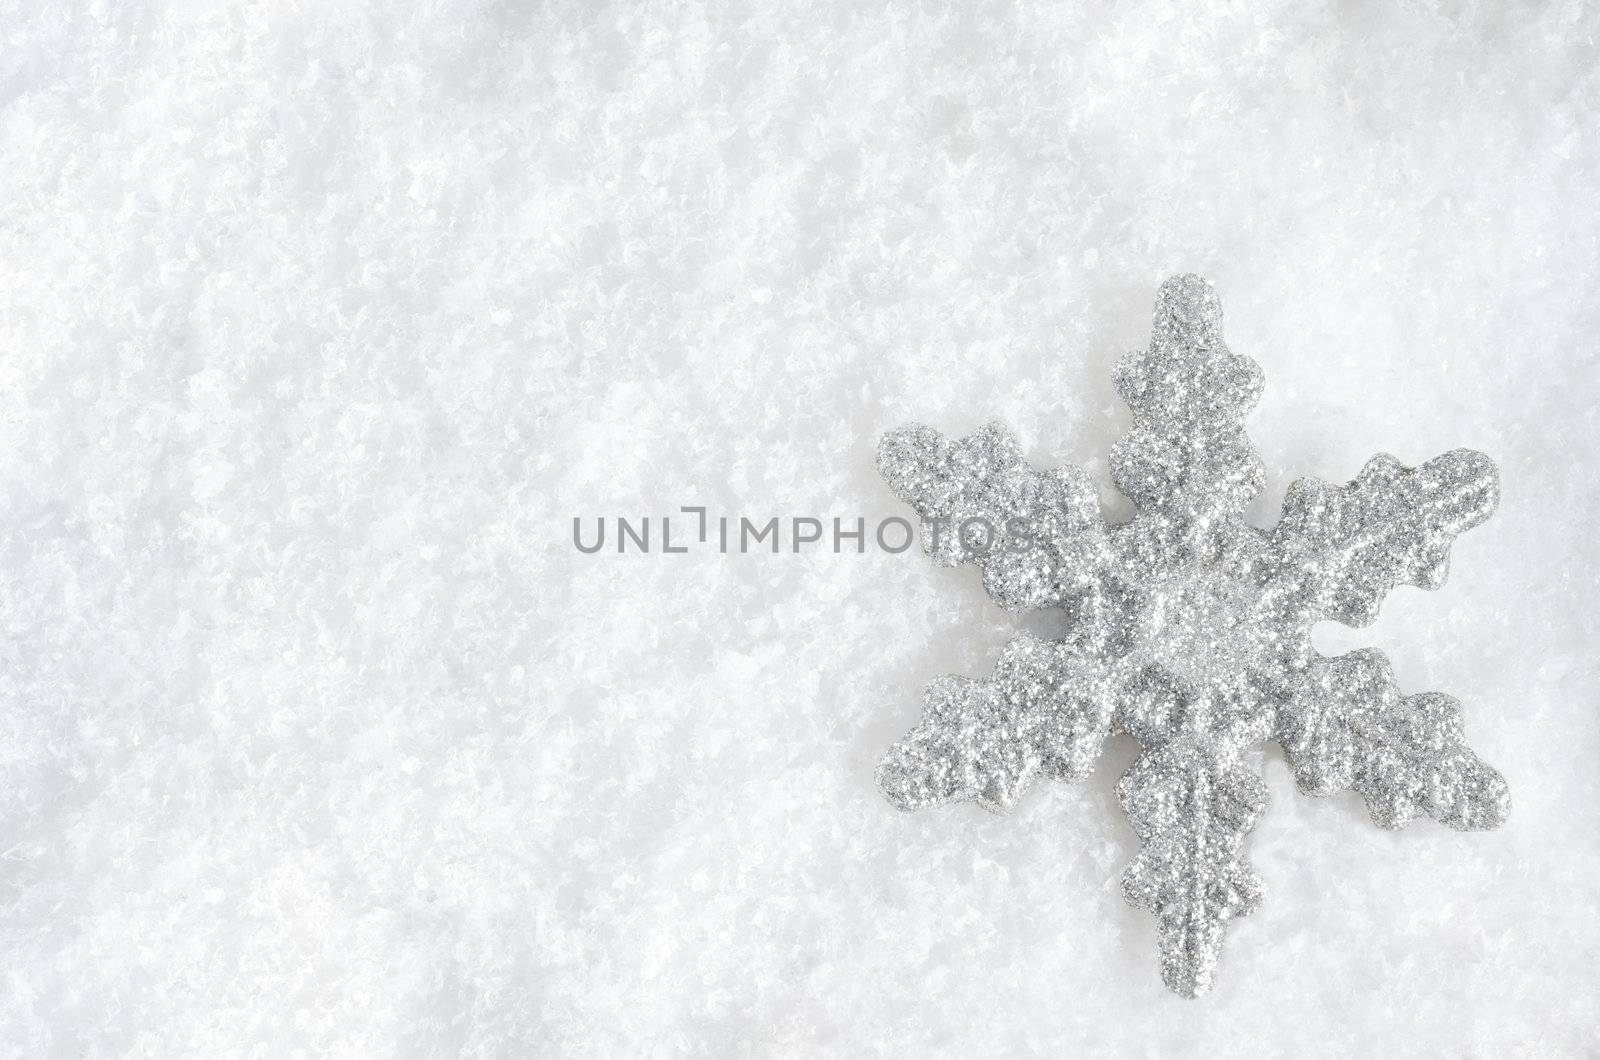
[[1191, 809], [1043, 711], [1349, 727], [1187, 462], [1345, 547], [974, 495]]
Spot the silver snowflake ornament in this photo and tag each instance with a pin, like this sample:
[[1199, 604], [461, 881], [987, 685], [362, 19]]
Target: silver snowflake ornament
[[1189, 629]]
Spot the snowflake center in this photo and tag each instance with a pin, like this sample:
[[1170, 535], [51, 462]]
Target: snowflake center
[[1201, 628]]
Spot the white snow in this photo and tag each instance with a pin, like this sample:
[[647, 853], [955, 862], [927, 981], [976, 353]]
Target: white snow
[[319, 323]]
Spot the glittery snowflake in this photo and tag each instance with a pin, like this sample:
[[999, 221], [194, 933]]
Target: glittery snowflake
[[1190, 630]]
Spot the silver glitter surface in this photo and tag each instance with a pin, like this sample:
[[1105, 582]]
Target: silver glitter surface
[[1189, 629]]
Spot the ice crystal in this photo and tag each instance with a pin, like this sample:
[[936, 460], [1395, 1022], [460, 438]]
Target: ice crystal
[[1189, 629]]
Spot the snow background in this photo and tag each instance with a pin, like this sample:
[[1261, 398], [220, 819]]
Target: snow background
[[318, 324]]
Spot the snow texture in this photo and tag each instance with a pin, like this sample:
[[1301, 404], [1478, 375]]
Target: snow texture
[[319, 324]]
